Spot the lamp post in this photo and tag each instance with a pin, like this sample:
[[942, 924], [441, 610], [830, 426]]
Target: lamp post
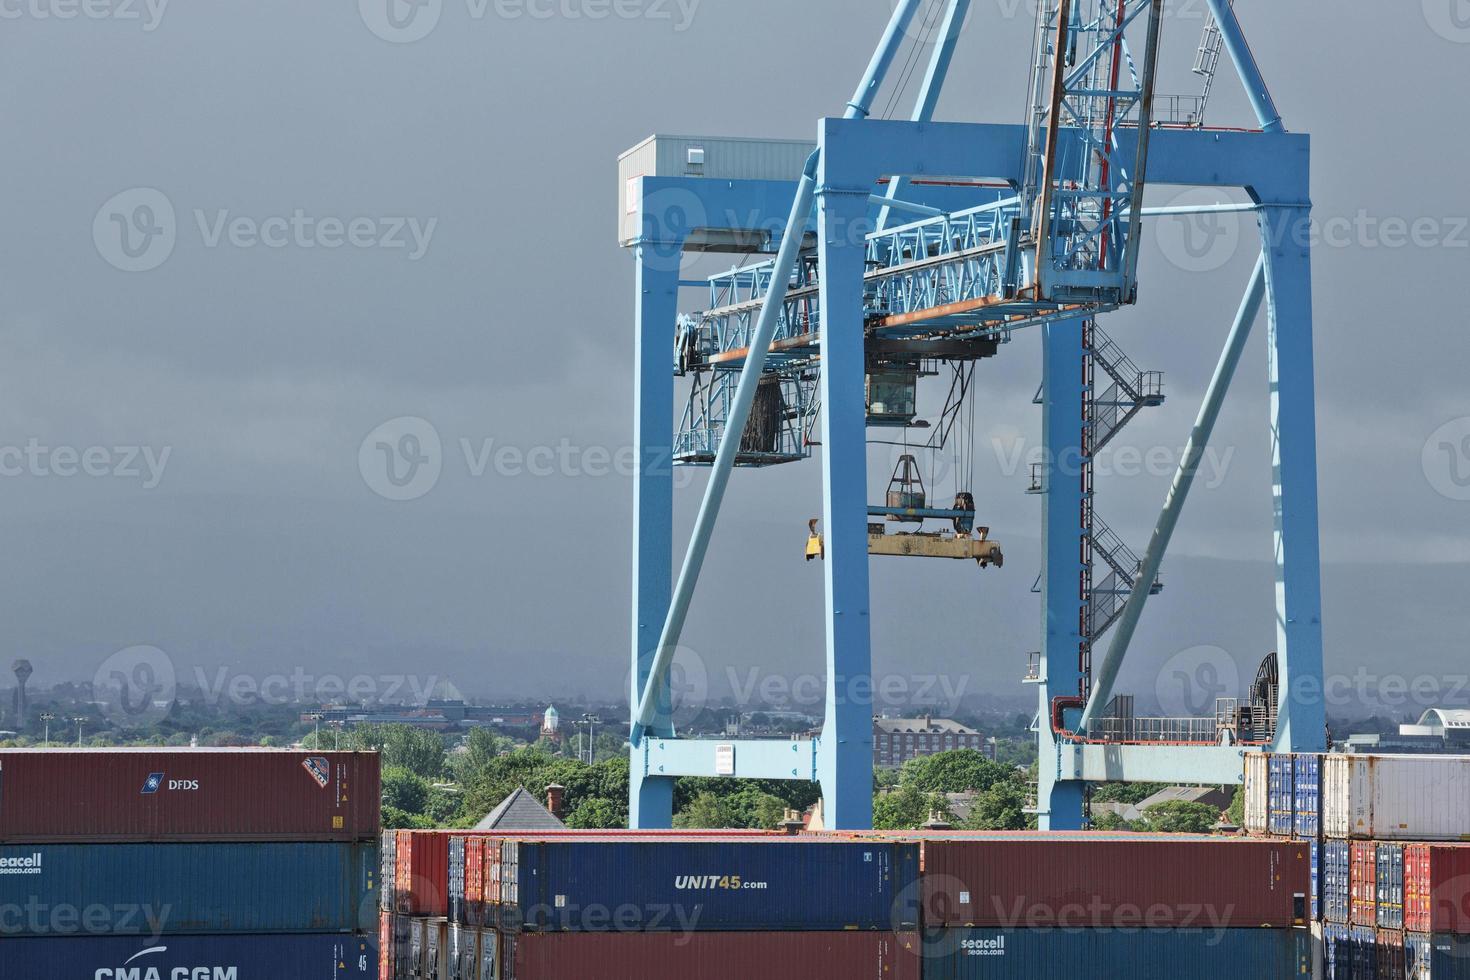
[[591, 722], [80, 722], [46, 720]]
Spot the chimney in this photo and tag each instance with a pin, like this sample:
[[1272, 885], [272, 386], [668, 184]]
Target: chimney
[[554, 796], [936, 822], [792, 824]]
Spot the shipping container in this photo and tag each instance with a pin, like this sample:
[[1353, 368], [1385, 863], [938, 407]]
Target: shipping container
[[1390, 965], [718, 956], [1365, 884], [1439, 957], [1314, 851], [455, 883], [435, 962], [1257, 795], [474, 880], [1307, 793], [1098, 880], [1337, 955], [1391, 886], [1138, 954], [301, 957], [489, 961], [418, 937], [1437, 888], [1337, 877], [1280, 798], [387, 945], [421, 880], [1364, 948], [387, 869], [704, 884], [464, 952], [1403, 797], [180, 795], [179, 889]]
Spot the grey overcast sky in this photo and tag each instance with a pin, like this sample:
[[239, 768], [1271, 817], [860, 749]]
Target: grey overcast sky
[[484, 292]]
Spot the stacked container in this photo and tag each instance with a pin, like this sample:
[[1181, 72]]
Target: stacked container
[[719, 907], [1280, 795], [1397, 815], [261, 862]]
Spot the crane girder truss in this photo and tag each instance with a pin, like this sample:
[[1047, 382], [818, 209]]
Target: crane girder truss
[[1062, 245]]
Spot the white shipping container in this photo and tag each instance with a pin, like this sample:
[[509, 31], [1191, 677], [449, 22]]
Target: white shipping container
[[1257, 784], [1396, 797]]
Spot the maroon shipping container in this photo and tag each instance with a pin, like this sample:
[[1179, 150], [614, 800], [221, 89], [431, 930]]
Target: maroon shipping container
[[1098, 880], [1364, 881], [187, 795], [421, 880], [716, 956], [1437, 888]]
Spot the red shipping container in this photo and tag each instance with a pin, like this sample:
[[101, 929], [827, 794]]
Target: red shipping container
[[386, 957], [187, 795], [1094, 880], [474, 869], [421, 881], [1390, 955], [1364, 881], [1437, 888], [716, 956]]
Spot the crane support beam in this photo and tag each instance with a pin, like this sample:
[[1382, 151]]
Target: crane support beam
[[1194, 450], [1244, 60], [667, 758], [786, 258]]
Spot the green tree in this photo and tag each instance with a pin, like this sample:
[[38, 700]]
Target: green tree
[[404, 790], [1237, 808], [908, 808], [707, 811], [597, 814], [1001, 807], [1180, 817], [396, 819], [961, 771]]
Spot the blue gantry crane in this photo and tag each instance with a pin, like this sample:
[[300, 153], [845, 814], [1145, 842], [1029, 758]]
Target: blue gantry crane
[[915, 248]]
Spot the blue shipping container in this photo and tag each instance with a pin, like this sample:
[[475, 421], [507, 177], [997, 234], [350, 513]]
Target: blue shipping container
[[1337, 955], [732, 885], [1390, 886], [1280, 802], [1315, 850], [1307, 794], [1337, 884], [1437, 957], [1363, 948], [335, 957], [1026, 954], [179, 889]]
